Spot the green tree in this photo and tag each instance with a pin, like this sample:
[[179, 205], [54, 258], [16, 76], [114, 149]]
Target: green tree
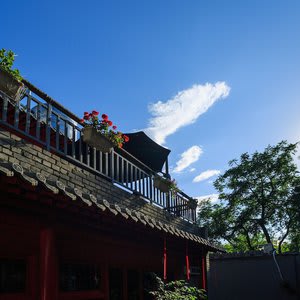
[[294, 237], [259, 197]]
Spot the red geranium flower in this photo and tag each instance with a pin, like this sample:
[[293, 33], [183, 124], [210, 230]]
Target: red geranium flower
[[103, 126]]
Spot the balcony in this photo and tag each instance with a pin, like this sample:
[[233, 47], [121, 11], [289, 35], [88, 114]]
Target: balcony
[[39, 119]]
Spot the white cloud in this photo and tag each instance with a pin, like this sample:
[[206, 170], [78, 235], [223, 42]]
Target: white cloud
[[192, 170], [212, 197], [183, 109], [188, 157], [206, 174]]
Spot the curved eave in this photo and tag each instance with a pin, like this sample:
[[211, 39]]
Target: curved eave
[[36, 181]]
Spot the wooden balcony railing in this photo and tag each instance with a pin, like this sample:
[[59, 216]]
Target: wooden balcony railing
[[45, 122]]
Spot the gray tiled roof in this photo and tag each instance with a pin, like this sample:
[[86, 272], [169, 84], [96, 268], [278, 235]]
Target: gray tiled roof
[[36, 179]]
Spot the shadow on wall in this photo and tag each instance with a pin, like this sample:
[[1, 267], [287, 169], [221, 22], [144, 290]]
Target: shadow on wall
[[254, 276]]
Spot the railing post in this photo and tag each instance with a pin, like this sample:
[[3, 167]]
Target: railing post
[[168, 201], [112, 165], [38, 120], [4, 109], [16, 118], [27, 125], [73, 142], [151, 188], [48, 128], [66, 138], [57, 133]]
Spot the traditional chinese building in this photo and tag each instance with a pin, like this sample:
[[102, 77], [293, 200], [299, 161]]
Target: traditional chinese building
[[77, 223]]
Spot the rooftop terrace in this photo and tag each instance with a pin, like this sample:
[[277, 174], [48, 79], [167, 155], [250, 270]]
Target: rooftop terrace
[[39, 119]]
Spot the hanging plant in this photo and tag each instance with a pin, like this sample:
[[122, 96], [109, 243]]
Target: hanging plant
[[192, 203], [10, 79], [165, 185], [101, 133]]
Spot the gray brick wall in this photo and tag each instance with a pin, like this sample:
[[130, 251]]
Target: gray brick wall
[[36, 159]]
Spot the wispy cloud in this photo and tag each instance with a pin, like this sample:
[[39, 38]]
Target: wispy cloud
[[206, 174], [183, 109], [212, 197], [192, 170], [188, 157]]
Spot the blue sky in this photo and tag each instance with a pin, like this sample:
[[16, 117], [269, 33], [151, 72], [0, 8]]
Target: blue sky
[[208, 79]]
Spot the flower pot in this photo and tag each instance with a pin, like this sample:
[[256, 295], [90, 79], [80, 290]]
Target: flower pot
[[95, 139], [162, 184], [11, 87], [192, 204]]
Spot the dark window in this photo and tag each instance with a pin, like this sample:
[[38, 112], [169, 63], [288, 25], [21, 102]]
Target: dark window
[[78, 277], [115, 284], [12, 276], [133, 285]]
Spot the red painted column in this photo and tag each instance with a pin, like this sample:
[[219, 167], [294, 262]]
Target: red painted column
[[165, 259], [48, 265], [187, 262], [203, 271]]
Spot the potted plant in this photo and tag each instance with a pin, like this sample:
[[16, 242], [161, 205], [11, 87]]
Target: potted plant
[[192, 203], [10, 80], [101, 133], [165, 185]]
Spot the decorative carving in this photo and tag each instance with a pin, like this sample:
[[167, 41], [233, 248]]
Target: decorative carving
[[88, 202], [142, 219], [78, 192], [6, 172], [93, 198], [18, 168], [40, 177], [102, 207], [120, 211], [128, 211], [60, 185], [106, 203]]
